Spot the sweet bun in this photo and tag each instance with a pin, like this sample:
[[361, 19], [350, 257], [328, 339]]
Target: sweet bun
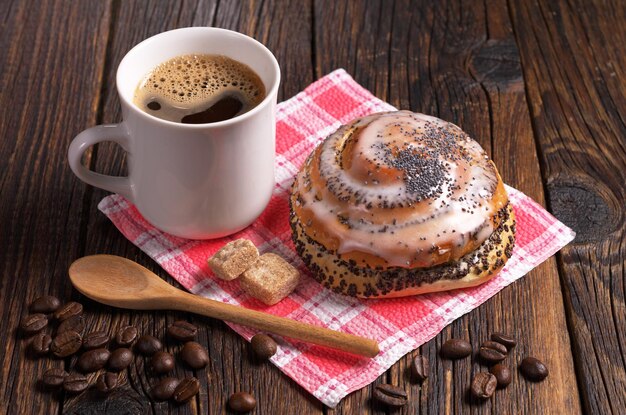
[[399, 203]]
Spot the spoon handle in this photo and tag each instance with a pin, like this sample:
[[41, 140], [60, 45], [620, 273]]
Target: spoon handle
[[273, 324]]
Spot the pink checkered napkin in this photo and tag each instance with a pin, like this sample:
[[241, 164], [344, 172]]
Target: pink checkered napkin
[[399, 325]]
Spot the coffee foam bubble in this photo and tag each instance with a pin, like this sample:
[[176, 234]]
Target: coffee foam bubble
[[193, 80]]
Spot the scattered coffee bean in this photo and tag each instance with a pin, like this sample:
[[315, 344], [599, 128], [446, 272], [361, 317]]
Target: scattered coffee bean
[[74, 323], [241, 402], [126, 336], [504, 339], [483, 385], [533, 369], [182, 330], [263, 346], [93, 360], [502, 374], [420, 368], [120, 359], [162, 362], [194, 355], [45, 304], [164, 390], [148, 345], [53, 378], [66, 344], [40, 344], [107, 382], [456, 349], [186, 389], [75, 383], [390, 395], [492, 352], [68, 310], [33, 323], [95, 340]]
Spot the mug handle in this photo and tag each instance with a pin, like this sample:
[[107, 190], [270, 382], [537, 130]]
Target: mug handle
[[116, 133]]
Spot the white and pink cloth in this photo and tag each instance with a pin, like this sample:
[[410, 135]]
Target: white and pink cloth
[[399, 325]]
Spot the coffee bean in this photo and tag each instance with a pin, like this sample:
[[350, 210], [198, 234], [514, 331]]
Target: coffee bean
[[93, 360], [66, 344], [107, 382], [390, 395], [420, 368], [241, 402], [164, 390], [162, 362], [45, 304], [504, 339], [502, 374], [40, 345], [194, 355], [456, 349], [533, 369], [120, 359], [492, 352], [148, 345], [186, 389], [95, 340], [53, 378], [74, 323], [263, 346], [33, 323], [182, 330], [483, 385], [126, 336], [68, 310], [75, 383]]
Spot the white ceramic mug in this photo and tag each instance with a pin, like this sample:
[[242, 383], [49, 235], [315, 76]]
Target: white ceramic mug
[[196, 181]]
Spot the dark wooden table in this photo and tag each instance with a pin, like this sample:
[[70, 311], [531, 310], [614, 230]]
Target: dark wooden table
[[540, 84]]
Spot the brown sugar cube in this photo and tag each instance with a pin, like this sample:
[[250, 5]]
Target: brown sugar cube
[[234, 258], [270, 279]]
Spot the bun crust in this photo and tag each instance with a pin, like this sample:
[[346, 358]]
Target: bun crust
[[343, 277], [397, 204]]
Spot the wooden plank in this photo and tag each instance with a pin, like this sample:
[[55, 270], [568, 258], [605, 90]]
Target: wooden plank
[[285, 28], [461, 64], [154, 17], [231, 368], [52, 60], [473, 70], [573, 60]]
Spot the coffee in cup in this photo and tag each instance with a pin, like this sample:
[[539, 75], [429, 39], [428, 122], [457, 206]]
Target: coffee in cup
[[199, 89]]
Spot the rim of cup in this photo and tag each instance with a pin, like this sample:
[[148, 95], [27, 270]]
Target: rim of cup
[[269, 95]]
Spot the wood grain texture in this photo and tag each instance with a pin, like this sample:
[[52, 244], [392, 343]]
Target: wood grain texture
[[131, 23], [539, 84], [50, 83], [574, 70], [460, 62]]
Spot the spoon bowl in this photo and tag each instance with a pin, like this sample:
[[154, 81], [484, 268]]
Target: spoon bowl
[[120, 282]]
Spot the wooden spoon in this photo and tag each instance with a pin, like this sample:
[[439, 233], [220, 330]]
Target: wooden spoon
[[120, 282]]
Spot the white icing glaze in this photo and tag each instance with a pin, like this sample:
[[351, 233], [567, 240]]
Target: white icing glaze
[[443, 205]]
